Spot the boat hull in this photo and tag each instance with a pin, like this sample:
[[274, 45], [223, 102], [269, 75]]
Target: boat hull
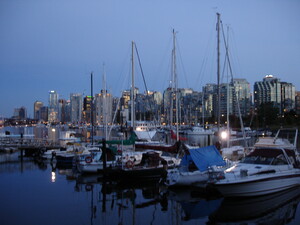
[[195, 178], [256, 186], [145, 135], [93, 167]]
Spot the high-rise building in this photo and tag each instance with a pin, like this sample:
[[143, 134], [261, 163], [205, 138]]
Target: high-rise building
[[53, 107], [87, 109], [20, 113], [267, 91], [297, 103], [62, 111], [226, 99], [76, 107], [103, 108], [44, 113], [271, 90], [37, 109], [210, 100], [288, 93], [67, 111], [241, 93]]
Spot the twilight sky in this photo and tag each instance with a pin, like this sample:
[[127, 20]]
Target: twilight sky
[[55, 44]]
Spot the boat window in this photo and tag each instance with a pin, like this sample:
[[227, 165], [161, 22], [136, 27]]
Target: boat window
[[264, 160], [257, 160], [249, 159], [280, 160]]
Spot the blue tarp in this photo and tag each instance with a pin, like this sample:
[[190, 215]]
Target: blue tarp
[[203, 158]]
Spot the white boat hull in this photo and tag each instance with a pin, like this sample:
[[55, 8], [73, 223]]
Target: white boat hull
[[93, 167], [258, 185], [145, 135], [195, 178]]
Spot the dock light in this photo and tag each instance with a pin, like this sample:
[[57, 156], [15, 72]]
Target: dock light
[[224, 135], [53, 129]]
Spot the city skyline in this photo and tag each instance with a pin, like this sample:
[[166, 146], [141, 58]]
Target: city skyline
[[56, 45], [270, 90]]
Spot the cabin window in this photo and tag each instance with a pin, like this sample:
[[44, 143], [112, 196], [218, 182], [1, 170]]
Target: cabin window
[[280, 160], [264, 160], [257, 160], [249, 159]]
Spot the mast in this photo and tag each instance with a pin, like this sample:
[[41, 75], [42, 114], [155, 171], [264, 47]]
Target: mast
[[218, 69], [132, 97], [92, 109], [236, 93], [228, 86], [175, 83], [104, 102]]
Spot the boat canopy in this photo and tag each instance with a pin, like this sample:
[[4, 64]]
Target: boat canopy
[[203, 158], [130, 141], [270, 152]]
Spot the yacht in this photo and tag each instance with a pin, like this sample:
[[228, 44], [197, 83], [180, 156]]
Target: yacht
[[272, 166]]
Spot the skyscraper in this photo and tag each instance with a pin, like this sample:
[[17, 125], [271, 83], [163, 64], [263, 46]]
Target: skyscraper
[[76, 107], [37, 109], [20, 113], [53, 107], [103, 108], [288, 95], [241, 93], [267, 91], [87, 109], [271, 90]]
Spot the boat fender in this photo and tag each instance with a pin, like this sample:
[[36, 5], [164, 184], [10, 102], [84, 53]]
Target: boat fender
[[129, 164], [88, 159]]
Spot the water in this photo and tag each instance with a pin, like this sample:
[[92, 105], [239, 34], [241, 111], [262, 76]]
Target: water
[[32, 193]]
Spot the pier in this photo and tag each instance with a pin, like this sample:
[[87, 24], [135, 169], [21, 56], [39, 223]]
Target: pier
[[27, 145]]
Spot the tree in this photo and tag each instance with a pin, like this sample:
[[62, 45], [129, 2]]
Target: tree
[[267, 114]]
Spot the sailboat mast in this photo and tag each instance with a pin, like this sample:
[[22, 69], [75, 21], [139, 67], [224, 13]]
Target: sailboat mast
[[175, 83], [228, 87], [104, 102], [218, 69], [132, 87], [92, 109]]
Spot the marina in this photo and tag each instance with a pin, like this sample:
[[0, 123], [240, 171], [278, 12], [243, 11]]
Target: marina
[[40, 193], [133, 113], [44, 191]]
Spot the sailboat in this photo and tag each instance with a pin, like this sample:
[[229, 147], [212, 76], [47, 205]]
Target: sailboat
[[144, 130], [153, 164], [232, 152], [197, 163]]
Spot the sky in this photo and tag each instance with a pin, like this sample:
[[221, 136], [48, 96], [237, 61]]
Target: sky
[[56, 44]]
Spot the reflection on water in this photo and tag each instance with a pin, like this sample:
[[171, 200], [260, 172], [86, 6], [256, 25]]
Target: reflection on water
[[44, 193], [61, 196], [278, 208], [194, 203]]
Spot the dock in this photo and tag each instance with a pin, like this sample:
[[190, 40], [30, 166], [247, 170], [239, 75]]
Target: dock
[[29, 146]]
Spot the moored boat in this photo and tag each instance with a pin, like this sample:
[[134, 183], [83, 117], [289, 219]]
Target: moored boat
[[265, 170], [194, 167]]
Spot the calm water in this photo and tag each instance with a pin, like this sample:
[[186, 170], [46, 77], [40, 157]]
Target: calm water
[[32, 193], [40, 194]]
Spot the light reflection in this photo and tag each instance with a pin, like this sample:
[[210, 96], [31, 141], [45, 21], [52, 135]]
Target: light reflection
[[53, 176]]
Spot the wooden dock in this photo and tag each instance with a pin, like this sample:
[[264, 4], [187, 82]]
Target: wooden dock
[[28, 145]]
